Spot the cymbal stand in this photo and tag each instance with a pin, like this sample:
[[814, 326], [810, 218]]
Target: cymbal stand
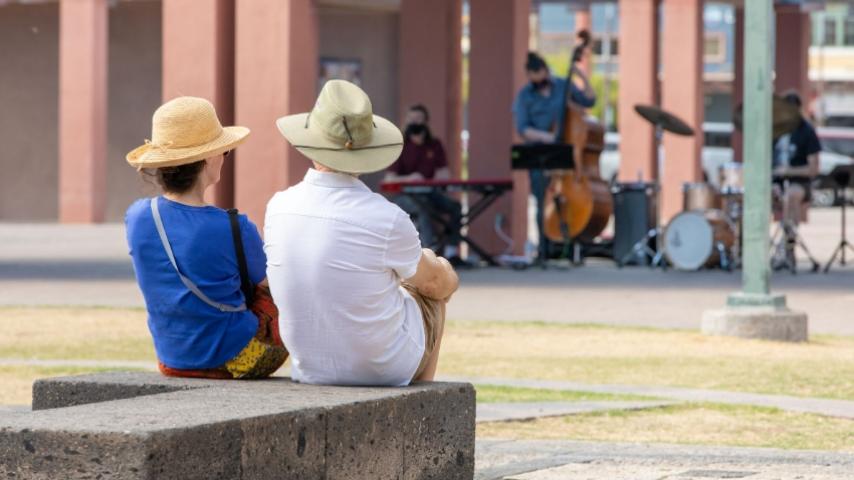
[[844, 244], [786, 241]]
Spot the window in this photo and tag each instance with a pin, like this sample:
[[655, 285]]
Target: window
[[714, 47], [598, 45], [830, 31], [849, 31]]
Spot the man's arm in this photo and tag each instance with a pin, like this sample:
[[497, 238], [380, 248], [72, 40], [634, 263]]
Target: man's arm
[[540, 136], [435, 278]]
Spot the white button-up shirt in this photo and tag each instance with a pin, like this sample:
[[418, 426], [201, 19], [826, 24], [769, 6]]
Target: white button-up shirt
[[336, 254]]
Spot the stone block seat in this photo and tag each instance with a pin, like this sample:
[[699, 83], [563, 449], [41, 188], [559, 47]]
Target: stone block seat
[[146, 426]]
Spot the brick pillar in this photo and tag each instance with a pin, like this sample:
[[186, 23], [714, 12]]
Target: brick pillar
[[198, 60], [430, 34], [276, 74], [638, 76], [738, 81], [499, 42], [82, 110], [682, 95], [793, 45]]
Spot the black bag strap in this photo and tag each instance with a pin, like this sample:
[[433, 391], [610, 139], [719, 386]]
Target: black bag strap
[[245, 284]]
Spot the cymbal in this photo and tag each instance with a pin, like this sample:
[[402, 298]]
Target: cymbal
[[666, 120], [785, 117]]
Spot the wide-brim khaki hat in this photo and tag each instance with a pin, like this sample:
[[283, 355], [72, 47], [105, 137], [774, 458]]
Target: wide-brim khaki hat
[[185, 130], [342, 133]]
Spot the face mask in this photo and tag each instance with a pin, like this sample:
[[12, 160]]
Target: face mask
[[542, 84], [415, 129]]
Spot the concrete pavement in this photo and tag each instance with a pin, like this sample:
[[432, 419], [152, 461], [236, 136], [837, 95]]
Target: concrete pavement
[[573, 460], [48, 264]]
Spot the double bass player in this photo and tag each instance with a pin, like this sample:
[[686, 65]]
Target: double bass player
[[537, 112]]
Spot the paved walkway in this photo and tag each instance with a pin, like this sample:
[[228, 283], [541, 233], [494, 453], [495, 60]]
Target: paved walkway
[[49, 264], [571, 460], [503, 412], [820, 406]]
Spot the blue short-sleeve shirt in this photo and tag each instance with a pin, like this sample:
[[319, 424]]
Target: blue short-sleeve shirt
[[531, 109], [188, 333]]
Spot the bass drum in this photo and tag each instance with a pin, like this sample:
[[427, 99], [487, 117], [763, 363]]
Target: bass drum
[[691, 239]]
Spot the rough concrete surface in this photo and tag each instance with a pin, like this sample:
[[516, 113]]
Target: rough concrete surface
[[779, 324], [47, 264], [238, 430], [572, 460]]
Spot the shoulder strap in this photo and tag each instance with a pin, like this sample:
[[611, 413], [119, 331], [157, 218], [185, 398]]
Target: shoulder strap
[[155, 212], [245, 283]]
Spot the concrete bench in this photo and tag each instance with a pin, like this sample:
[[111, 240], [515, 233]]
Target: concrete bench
[[145, 426]]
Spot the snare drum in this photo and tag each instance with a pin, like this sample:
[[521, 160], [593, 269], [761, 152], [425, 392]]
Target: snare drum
[[692, 239], [732, 180], [699, 196]]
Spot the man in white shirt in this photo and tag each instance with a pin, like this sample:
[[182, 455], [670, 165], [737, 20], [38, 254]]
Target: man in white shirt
[[360, 302]]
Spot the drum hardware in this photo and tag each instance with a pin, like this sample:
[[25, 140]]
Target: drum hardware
[[842, 176], [700, 196], [663, 121], [696, 239], [784, 244], [635, 213], [786, 240]]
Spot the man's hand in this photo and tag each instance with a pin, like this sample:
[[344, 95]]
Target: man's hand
[[435, 277]]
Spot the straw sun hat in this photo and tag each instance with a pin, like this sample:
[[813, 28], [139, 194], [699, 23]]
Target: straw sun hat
[[342, 133], [185, 130]]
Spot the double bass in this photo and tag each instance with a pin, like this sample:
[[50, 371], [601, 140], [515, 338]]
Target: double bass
[[578, 202]]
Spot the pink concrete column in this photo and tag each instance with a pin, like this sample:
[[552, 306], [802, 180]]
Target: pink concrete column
[[638, 76], [499, 42], [682, 95], [82, 110], [198, 60], [276, 74], [793, 44], [738, 80], [583, 22], [430, 34]]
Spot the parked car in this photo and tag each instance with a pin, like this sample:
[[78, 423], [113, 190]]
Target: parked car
[[837, 149], [716, 152], [837, 144]]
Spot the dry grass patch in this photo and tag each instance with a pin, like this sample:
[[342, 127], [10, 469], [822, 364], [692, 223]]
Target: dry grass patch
[[706, 424], [18, 381], [593, 354], [75, 333]]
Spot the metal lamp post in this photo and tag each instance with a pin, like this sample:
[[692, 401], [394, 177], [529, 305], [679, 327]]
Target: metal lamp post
[[755, 312]]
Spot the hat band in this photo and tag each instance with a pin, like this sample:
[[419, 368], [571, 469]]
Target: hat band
[[343, 149]]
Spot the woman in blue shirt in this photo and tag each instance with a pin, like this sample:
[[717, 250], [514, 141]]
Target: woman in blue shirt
[[185, 254]]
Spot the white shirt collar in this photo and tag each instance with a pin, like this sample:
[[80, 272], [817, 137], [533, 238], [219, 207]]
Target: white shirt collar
[[333, 180]]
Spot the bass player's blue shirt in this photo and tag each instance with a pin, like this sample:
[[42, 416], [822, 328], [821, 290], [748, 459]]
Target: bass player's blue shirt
[[531, 109]]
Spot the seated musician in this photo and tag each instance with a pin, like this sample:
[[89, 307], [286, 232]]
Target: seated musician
[[537, 110], [795, 165], [423, 158]]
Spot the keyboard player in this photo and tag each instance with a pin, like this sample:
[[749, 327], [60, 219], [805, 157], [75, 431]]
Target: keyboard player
[[423, 158]]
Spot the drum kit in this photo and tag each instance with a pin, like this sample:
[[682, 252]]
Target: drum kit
[[707, 233]]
